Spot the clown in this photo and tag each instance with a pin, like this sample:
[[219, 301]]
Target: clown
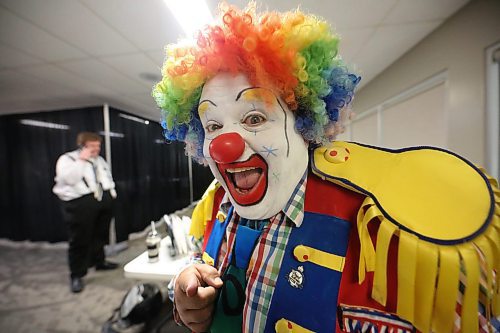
[[304, 234]]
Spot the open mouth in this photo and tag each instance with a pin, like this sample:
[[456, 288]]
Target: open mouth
[[247, 180]]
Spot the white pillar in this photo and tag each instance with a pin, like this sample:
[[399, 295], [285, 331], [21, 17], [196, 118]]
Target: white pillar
[[107, 152], [107, 138]]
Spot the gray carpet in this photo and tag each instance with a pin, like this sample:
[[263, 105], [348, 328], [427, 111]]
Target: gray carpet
[[35, 295]]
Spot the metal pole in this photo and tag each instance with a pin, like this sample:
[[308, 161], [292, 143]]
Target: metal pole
[[107, 138], [107, 152]]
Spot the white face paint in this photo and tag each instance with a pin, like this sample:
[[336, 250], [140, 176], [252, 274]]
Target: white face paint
[[271, 157]]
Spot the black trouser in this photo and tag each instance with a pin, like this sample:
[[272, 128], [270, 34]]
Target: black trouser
[[88, 224]]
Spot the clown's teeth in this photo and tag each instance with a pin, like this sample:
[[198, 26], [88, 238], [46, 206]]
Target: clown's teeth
[[236, 170]]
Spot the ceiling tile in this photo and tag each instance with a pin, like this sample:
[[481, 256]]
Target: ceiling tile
[[340, 13], [352, 40], [50, 103], [375, 56], [24, 36], [11, 58], [144, 99], [95, 71], [407, 11], [80, 100], [148, 24], [53, 73], [88, 93], [126, 103], [26, 105], [73, 23], [134, 65], [15, 85], [157, 56]]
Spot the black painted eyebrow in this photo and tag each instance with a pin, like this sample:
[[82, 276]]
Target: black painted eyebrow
[[207, 100], [249, 88], [282, 108]]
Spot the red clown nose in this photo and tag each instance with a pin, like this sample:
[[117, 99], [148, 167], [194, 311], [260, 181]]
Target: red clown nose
[[227, 148]]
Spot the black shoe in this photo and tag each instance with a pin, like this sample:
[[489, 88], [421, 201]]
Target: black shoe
[[76, 285], [106, 266]]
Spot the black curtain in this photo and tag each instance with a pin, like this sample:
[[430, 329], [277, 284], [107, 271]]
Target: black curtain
[[151, 174], [28, 155], [202, 177]]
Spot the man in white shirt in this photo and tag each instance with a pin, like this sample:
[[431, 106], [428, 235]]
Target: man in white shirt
[[85, 185]]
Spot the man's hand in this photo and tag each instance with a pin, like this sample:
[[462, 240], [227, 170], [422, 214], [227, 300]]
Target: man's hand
[[195, 294], [85, 153]]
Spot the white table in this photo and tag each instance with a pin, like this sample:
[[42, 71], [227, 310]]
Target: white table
[[162, 270]]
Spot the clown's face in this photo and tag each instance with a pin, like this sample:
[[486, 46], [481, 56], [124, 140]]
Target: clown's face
[[251, 144]]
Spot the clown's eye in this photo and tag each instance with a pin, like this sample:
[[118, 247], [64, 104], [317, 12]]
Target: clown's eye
[[254, 119], [213, 126]]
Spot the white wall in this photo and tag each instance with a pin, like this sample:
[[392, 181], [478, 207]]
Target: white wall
[[457, 47]]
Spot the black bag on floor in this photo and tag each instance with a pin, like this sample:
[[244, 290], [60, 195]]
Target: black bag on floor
[[141, 303]]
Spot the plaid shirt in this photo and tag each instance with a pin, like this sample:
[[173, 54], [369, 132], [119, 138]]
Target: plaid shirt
[[266, 258]]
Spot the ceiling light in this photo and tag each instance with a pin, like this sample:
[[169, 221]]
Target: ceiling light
[[113, 134], [137, 119], [38, 123], [191, 14]]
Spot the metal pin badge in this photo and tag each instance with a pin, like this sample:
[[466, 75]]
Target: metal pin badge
[[296, 277]]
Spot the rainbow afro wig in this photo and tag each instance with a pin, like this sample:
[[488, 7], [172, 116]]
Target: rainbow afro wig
[[292, 52]]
